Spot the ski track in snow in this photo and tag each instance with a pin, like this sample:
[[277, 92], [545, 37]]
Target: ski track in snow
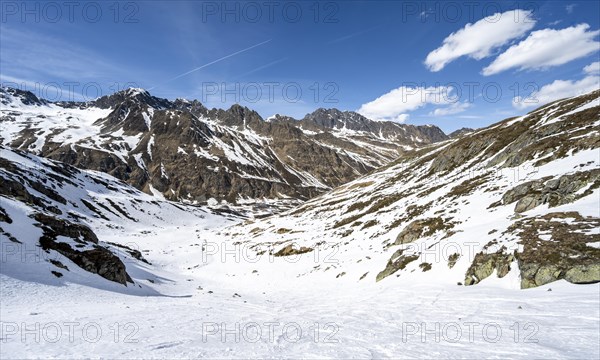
[[337, 319]]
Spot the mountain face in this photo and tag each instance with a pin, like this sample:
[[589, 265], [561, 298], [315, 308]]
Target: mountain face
[[183, 151], [348, 120], [460, 132], [516, 202], [59, 216]]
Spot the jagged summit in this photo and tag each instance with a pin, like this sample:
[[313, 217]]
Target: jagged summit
[[132, 96], [10, 96]]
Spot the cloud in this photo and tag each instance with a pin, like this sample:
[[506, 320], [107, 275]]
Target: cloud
[[454, 108], [478, 40], [570, 8], [395, 105], [546, 48], [593, 68], [17, 82], [560, 89]]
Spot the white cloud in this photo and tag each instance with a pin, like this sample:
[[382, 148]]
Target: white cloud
[[479, 39], [593, 68], [546, 48], [570, 8], [454, 108], [560, 89], [395, 105]]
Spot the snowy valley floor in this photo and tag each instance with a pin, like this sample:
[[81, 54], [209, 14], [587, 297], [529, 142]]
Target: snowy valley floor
[[242, 308]]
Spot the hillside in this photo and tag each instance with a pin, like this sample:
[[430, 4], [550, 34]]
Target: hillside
[[517, 200], [61, 225]]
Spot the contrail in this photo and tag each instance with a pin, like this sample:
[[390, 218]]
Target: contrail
[[263, 67], [214, 62]]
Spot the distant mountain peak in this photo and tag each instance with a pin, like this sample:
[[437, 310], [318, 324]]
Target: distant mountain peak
[[132, 96], [8, 95]]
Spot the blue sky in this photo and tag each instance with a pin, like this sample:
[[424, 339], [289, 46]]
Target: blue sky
[[414, 62]]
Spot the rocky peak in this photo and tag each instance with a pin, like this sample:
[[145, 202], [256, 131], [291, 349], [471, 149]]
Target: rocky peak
[[349, 120], [187, 152], [193, 106], [237, 115], [9, 95], [132, 96], [460, 132], [432, 133], [336, 119]]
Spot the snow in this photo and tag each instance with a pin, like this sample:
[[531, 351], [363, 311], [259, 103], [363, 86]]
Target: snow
[[210, 292], [148, 117], [156, 193], [281, 319], [201, 152], [149, 147], [135, 91], [51, 122]]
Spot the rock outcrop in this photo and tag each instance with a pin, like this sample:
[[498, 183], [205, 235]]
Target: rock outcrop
[[554, 246], [554, 192]]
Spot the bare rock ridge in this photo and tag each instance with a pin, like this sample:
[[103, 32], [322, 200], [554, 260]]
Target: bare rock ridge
[[186, 152]]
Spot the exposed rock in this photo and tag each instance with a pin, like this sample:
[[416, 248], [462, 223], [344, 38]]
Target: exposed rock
[[583, 274], [291, 250], [564, 256], [421, 228], [425, 266], [397, 262], [484, 265], [97, 260], [460, 132], [65, 228], [4, 216], [452, 259], [554, 192]]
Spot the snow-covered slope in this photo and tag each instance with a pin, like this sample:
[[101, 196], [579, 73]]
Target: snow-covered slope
[[190, 153], [62, 225], [518, 200], [217, 290]]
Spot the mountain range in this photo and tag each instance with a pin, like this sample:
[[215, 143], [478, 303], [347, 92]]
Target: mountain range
[[185, 152], [482, 203]]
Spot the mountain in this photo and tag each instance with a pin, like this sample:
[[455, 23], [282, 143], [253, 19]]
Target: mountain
[[55, 220], [460, 132], [516, 202], [183, 151], [347, 120], [370, 269]]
